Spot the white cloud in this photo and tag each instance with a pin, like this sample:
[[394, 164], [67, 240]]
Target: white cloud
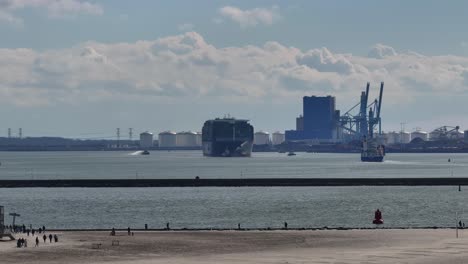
[[380, 51], [186, 66], [251, 17], [55, 8]]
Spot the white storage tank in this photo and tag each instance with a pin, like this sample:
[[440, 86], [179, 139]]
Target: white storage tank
[[186, 139], [261, 138], [146, 140], [167, 139], [405, 137], [393, 138], [420, 134], [456, 134], [277, 138], [199, 139]]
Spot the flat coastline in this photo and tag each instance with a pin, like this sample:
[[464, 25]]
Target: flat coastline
[[269, 246]]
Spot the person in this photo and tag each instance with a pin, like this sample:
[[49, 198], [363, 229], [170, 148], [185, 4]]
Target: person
[[27, 231], [112, 232], [25, 243], [55, 238], [44, 237], [460, 224], [43, 228], [40, 230], [50, 238], [285, 225], [167, 226], [128, 230], [18, 243], [37, 242]]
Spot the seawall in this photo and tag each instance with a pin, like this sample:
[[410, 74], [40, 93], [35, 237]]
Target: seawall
[[252, 182]]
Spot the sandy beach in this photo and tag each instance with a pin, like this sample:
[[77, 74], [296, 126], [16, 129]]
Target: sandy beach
[[319, 246]]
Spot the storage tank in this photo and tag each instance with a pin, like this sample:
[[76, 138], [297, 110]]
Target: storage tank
[[420, 134], [186, 139], [405, 137], [277, 138], [199, 139], [167, 139], [393, 138], [146, 140], [456, 134], [261, 138]]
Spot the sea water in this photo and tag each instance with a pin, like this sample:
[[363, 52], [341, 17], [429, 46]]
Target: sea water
[[222, 207]]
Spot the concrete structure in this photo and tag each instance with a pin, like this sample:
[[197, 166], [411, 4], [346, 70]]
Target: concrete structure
[[319, 119], [420, 134], [146, 140], [277, 138], [186, 139], [261, 138], [167, 139]]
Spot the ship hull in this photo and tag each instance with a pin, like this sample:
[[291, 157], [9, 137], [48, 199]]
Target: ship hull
[[372, 159], [228, 149]]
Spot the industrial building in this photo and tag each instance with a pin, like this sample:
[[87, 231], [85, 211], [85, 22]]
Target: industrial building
[[167, 139], [146, 140], [318, 121]]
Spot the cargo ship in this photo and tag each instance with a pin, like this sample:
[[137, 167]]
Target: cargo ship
[[227, 137], [371, 151]]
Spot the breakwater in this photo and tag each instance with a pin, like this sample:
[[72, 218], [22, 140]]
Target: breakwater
[[246, 182]]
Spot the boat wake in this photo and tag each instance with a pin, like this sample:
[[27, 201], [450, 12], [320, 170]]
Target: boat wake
[[136, 153]]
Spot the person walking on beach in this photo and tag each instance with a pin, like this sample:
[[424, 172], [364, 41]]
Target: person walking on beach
[[37, 242], [55, 238], [43, 228], [128, 230], [50, 238], [44, 237]]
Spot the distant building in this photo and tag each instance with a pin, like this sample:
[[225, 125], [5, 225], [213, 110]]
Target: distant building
[[319, 119], [146, 140]]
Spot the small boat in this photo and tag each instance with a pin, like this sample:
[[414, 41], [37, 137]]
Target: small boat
[[145, 152], [291, 153]]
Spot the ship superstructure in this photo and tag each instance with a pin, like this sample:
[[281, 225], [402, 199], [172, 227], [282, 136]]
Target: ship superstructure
[[227, 137]]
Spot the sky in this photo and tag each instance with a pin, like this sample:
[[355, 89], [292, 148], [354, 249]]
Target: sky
[[83, 68]]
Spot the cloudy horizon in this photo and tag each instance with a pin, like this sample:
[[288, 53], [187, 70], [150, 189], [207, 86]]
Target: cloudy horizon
[[195, 70]]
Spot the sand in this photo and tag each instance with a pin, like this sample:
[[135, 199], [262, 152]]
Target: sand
[[319, 246]]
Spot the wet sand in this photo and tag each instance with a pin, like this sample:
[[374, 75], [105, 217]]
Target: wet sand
[[319, 246]]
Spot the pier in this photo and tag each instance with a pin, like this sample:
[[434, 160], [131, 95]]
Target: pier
[[245, 182]]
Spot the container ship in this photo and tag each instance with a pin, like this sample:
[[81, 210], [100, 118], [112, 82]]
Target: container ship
[[227, 137]]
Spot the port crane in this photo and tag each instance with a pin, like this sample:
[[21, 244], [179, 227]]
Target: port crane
[[367, 120]]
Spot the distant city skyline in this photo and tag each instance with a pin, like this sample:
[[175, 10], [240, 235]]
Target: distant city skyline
[[81, 69]]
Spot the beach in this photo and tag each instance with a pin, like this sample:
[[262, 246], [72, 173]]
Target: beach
[[279, 246]]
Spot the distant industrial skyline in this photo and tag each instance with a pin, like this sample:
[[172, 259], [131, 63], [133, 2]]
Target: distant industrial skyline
[[83, 68]]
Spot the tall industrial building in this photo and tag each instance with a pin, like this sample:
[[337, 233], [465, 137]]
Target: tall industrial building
[[318, 121]]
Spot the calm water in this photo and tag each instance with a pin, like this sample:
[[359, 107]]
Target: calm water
[[188, 164], [225, 207]]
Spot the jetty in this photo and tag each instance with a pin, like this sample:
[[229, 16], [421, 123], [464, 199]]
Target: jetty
[[244, 182]]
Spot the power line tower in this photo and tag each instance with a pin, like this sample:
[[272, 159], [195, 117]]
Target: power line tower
[[130, 134]]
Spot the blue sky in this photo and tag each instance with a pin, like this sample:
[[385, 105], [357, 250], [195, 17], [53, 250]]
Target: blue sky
[[67, 72]]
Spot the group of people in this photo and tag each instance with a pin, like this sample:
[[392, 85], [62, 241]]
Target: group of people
[[23, 242]]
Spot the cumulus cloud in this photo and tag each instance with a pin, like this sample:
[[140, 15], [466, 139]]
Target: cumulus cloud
[[187, 66], [380, 51], [55, 8], [251, 17]]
